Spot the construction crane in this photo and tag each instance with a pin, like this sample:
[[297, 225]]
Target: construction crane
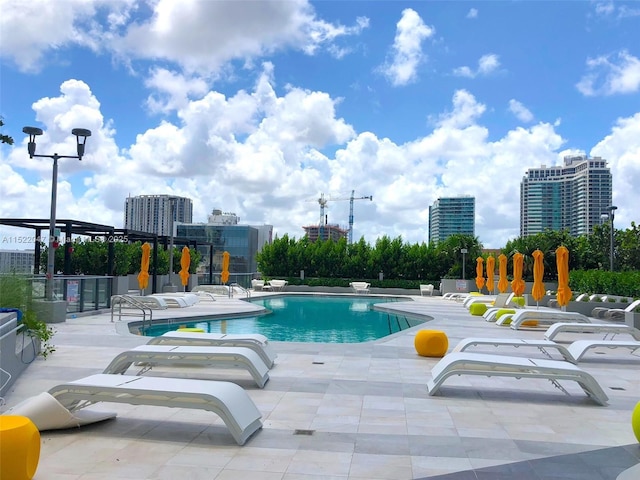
[[323, 203]]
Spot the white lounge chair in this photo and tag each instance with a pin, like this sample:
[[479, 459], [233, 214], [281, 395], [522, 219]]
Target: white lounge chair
[[578, 348], [219, 290], [454, 295], [361, 288], [542, 345], [149, 301], [179, 299], [606, 328], [465, 363], [257, 284], [488, 299], [424, 289], [614, 313], [227, 400], [544, 316], [277, 285], [256, 342], [223, 357]]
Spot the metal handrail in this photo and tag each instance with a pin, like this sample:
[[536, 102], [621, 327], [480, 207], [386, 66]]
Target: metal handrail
[[233, 286], [120, 300]]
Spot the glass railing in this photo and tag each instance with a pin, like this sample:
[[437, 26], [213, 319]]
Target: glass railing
[[242, 279], [83, 293]]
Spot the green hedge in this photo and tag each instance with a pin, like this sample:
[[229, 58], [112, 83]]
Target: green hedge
[[626, 284]]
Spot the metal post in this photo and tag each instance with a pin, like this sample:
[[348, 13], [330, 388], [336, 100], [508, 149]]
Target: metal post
[[170, 284], [611, 241], [51, 253], [464, 253]]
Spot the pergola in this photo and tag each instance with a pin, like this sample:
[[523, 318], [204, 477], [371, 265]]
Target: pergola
[[70, 228]]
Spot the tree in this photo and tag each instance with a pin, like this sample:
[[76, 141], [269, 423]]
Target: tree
[[5, 138]]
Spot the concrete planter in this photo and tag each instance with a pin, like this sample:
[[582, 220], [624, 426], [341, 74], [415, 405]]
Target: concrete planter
[[586, 308], [632, 319], [47, 311], [120, 285]]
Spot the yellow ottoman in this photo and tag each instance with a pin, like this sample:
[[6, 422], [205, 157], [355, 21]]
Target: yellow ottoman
[[477, 309], [635, 421], [20, 452], [431, 343]]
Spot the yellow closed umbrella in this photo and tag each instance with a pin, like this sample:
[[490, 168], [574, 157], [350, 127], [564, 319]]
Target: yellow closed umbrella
[[143, 276], [537, 292], [185, 262], [479, 277], [562, 262], [491, 266], [503, 283], [517, 284], [224, 276]]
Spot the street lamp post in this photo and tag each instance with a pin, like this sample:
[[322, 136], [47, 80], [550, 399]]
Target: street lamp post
[[464, 253], [612, 209], [81, 138]]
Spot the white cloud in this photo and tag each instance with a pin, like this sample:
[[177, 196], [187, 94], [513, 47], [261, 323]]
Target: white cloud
[[407, 48], [173, 89], [610, 75], [263, 156], [611, 10], [199, 36], [487, 64], [521, 112], [621, 148], [30, 29], [202, 36], [473, 13]]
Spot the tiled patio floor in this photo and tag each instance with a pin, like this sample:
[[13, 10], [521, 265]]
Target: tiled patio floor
[[348, 411]]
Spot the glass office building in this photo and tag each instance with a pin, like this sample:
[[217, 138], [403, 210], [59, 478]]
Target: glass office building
[[241, 241], [452, 215], [570, 197]]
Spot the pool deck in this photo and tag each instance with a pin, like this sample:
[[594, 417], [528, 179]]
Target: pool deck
[[348, 411]]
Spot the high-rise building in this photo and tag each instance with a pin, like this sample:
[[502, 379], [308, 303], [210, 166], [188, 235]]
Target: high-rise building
[[570, 197], [452, 215], [17, 261], [152, 213]]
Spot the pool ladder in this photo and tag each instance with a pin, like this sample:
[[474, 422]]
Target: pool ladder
[[127, 302]]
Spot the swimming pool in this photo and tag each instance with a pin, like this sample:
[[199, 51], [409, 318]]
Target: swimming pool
[[309, 318]]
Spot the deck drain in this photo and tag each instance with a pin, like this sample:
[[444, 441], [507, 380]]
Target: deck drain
[[616, 388], [317, 363], [303, 432]]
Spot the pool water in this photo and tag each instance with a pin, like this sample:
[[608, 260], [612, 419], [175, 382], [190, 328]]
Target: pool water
[[309, 318]]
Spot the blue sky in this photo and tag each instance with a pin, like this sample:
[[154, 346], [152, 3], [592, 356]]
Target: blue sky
[[259, 107]]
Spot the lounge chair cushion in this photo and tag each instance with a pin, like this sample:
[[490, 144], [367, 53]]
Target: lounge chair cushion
[[431, 343]]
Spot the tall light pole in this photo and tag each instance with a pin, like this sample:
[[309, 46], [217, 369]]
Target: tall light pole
[[612, 209], [81, 138], [464, 253]]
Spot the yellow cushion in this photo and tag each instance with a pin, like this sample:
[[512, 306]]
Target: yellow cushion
[[635, 421], [504, 311], [20, 452], [431, 343], [477, 309], [518, 301], [530, 323], [191, 329]]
